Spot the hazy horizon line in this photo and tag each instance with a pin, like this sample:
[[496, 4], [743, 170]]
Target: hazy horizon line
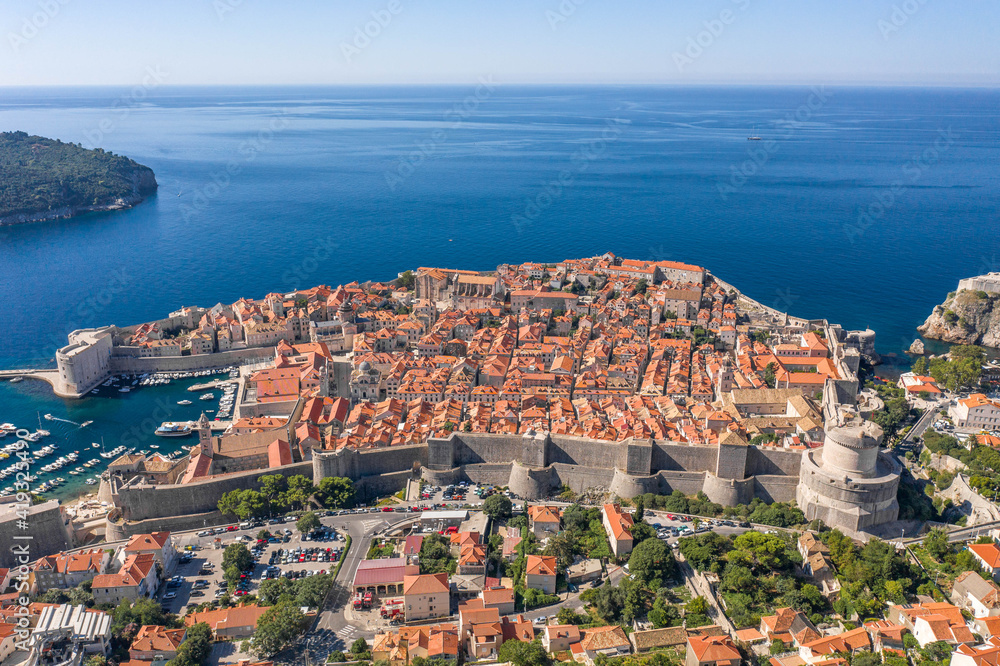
[[591, 84]]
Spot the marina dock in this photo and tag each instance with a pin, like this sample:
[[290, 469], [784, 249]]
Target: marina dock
[[211, 385]]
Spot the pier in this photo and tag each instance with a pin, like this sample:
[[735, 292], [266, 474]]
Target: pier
[[211, 385], [48, 375]]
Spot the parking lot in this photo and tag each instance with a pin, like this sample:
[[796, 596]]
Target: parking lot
[[462, 493], [671, 527], [198, 576]]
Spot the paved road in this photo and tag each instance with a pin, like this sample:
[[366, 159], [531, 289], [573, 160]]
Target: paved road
[[924, 422]]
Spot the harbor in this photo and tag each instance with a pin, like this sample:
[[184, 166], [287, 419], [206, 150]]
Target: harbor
[[71, 443]]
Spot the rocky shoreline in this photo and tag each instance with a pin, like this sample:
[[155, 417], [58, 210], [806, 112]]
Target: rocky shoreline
[[71, 211], [969, 317]]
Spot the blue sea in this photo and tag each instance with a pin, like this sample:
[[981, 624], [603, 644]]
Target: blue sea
[[864, 206]]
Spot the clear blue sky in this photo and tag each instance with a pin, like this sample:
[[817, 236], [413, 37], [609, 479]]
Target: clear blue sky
[[88, 42]]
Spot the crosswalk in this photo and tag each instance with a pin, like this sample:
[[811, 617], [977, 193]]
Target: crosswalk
[[368, 525], [346, 632]]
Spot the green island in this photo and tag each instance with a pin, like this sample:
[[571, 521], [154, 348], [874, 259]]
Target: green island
[[45, 179]]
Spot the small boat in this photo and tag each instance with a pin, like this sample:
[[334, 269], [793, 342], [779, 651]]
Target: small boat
[[124, 389], [91, 481], [183, 402], [48, 417], [154, 446], [753, 136], [169, 429], [16, 380], [85, 424], [73, 472], [207, 396], [95, 445]]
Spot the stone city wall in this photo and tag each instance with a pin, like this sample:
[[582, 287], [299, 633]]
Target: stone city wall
[[773, 461], [120, 530], [141, 502], [44, 524], [134, 365], [684, 457], [575, 462]]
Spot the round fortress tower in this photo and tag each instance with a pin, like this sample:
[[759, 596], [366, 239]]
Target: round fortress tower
[[849, 483], [852, 449]]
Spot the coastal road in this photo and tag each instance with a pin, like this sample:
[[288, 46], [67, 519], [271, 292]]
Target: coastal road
[[917, 431]]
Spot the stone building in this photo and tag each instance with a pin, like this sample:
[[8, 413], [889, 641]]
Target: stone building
[[849, 482], [84, 362]]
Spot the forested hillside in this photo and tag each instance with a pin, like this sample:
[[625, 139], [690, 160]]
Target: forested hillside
[[39, 176]]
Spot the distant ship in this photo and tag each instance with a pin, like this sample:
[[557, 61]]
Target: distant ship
[[754, 136]]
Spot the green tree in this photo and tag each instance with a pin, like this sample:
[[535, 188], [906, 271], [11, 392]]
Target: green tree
[[307, 523], [640, 509], [311, 591], [359, 646], [757, 549], [520, 653], [563, 547], [652, 563], [866, 659], [777, 646], [231, 575], [567, 615], [769, 377], [498, 507], [238, 556], [300, 491], [276, 629], [272, 486], [642, 532], [435, 555], [242, 503], [336, 492], [407, 280], [936, 543], [275, 590], [697, 606], [196, 648]]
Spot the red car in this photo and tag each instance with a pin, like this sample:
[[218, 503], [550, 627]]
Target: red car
[[231, 528], [387, 508]]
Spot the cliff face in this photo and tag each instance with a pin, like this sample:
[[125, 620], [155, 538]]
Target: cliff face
[[966, 317]]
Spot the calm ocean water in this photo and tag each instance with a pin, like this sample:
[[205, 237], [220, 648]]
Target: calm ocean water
[[864, 206]]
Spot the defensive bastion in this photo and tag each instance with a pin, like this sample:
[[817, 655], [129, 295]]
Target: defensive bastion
[[536, 464]]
